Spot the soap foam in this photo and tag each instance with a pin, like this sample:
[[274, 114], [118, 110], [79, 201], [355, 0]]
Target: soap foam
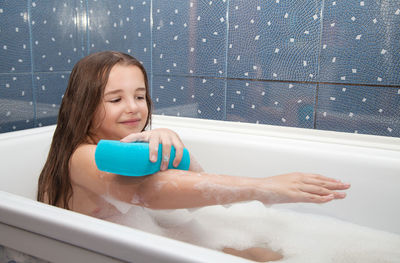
[[220, 193], [300, 237], [122, 207]]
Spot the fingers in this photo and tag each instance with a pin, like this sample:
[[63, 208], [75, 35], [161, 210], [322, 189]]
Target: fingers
[[312, 198], [321, 188], [145, 136], [302, 187], [134, 137], [324, 186], [329, 183], [178, 145], [155, 137], [168, 139], [321, 191], [313, 189], [153, 148], [166, 151]]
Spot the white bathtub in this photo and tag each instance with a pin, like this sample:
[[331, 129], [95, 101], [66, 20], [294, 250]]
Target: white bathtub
[[370, 163]]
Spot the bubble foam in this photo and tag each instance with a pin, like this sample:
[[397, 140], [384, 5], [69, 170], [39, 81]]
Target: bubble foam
[[300, 237]]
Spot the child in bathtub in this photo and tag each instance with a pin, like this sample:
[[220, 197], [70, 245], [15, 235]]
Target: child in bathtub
[[108, 98]]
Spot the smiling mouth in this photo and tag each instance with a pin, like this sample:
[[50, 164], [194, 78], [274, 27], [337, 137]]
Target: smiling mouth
[[131, 122]]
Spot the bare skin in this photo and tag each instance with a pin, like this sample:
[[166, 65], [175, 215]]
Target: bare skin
[[174, 189], [122, 116], [259, 254]]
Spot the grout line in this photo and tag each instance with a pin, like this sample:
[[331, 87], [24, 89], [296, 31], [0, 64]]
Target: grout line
[[29, 2], [320, 39], [316, 106], [283, 81], [87, 28], [321, 26], [37, 72], [226, 61]]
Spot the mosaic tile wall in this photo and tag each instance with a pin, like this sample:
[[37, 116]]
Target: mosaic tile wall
[[330, 65]]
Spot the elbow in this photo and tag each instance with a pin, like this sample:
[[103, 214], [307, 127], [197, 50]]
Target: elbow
[[147, 200], [158, 191], [147, 197]]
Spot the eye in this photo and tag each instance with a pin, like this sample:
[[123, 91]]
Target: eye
[[115, 100], [140, 97]]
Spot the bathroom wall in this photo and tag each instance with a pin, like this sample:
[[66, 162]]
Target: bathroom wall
[[330, 65]]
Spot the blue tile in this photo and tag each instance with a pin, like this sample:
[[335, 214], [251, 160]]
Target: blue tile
[[274, 40], [14, 37], [57, 35], [189, 97], [50, 88], [122, 26], [189, 37], [361, 42], [360, 109], [275, 103], [16, 102]]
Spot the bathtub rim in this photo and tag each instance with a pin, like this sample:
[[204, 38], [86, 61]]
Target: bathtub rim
[[99, 236], [292, 133]]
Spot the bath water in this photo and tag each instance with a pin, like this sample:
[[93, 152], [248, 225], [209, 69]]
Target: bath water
[[299, 237]]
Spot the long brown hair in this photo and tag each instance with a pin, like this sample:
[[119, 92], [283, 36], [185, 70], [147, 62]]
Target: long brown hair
[[81, 99]]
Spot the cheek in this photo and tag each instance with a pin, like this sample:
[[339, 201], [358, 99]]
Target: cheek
[[145, 110], [103, 116], [98, 118], [112, 112]]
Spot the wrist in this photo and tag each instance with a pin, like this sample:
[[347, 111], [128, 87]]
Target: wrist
[[265, 191], [251, 189]]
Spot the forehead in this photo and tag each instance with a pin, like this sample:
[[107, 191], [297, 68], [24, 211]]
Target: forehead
[[125, 76]]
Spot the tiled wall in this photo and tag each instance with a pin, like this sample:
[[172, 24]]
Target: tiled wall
[[331, 65]]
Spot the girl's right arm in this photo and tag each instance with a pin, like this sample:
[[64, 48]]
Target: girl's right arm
[[172, 189]]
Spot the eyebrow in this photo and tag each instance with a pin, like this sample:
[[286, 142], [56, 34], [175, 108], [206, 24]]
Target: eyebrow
[[120, 90]]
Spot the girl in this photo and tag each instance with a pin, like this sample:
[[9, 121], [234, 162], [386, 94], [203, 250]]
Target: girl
[[108, 98]]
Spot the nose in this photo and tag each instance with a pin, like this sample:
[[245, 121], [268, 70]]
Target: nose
[[131, 106]]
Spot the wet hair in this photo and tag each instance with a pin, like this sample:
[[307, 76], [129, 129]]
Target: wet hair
[[81, 100]]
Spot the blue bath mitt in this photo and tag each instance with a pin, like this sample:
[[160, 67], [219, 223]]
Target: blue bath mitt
[[132, 159]]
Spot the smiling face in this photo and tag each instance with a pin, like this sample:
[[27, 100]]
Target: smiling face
[[123, 109]]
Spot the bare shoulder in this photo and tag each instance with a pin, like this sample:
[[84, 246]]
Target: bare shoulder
[[83, 169], [85, 174], [82, 160]]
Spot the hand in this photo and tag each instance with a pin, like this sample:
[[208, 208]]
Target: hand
[[300, 187], [154, 137]]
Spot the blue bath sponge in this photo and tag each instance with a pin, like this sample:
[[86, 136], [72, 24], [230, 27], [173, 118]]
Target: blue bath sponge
[[132, 159]]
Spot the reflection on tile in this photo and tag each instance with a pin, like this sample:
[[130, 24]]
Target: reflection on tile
[[360, 42], [122, 26], [50, 88], [57, 34], [359, 109], [14, 37], [189, 97], [16, 102], [275, 103], [189, 37], [274, 40]]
